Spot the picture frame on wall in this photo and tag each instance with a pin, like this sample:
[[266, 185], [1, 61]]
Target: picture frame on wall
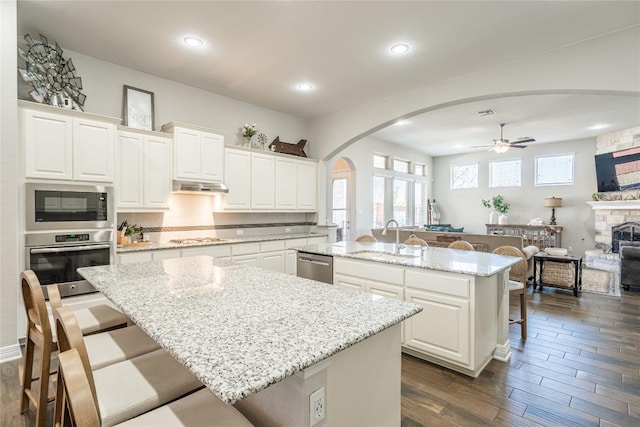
[[138, 108]]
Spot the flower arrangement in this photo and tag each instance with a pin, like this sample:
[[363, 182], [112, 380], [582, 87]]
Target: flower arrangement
[[249, 130], [496, 203]]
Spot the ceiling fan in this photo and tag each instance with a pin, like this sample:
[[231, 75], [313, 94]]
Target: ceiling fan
[[501, 145]]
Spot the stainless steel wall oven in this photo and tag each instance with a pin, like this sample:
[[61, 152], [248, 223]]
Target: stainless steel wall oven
[[54, 257]]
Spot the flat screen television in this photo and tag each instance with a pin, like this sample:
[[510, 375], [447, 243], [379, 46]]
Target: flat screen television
[[619, 170]]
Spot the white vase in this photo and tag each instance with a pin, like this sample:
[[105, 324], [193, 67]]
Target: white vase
[[493, 217], [503, 219]]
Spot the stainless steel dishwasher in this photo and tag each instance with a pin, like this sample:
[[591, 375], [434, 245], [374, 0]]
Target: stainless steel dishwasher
[[315, 267]]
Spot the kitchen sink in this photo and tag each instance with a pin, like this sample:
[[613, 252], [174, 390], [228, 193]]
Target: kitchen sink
[[390, 256]]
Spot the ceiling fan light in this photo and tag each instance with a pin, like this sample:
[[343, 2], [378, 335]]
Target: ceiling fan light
[[501, 148]]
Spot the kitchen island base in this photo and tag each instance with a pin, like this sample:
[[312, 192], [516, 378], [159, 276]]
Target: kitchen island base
[[362, 388]]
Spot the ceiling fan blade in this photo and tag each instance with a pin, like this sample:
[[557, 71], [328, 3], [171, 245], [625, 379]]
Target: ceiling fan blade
[[480, 146], [517, 146], [520, 141]]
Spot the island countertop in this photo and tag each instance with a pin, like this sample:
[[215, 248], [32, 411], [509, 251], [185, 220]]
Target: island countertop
[[431, 258], [238, 328]]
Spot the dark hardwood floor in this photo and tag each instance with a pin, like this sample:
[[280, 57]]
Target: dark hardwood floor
[[580, 366]]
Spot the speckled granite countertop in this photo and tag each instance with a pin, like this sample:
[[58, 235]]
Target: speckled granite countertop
[[440, 259], [248, 239], [238, 328]]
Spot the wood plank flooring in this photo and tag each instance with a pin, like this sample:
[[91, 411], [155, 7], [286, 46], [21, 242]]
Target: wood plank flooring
[[580, 366]]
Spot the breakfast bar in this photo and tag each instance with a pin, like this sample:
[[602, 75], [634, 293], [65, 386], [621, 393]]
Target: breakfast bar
[[265, 341]]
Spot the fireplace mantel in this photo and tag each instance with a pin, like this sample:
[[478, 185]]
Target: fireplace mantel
[[615, 204]]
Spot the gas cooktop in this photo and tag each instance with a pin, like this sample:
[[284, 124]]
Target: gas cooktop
[[194, 240]]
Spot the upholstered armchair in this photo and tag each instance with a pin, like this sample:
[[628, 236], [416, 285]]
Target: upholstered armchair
[[629, 264]]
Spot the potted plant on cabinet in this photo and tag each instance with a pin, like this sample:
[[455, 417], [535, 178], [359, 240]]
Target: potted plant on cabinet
[[499, 209]]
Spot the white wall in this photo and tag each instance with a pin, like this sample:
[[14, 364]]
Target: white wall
[[9, 281], [103, 82], [463, 208], [361, 155]]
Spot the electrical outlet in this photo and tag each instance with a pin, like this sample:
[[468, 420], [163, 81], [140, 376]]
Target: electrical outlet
[[287, 230], [239, 232], [316, 406]]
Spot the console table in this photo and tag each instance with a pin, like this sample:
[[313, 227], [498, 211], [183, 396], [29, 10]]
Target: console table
[[558, 271], [542, 236]]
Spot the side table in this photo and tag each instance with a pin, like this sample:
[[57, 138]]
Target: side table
[[539, 261]]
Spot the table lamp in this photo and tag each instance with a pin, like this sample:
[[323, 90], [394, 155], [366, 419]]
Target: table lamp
[[553, 203]]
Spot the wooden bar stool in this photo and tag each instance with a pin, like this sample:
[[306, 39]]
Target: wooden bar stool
[[461, 245], [415, 240], [107, 348], [201, 408], [517, 283], [366, 238], [125, 389]]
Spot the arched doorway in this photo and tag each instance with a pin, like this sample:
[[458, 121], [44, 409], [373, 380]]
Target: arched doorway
[[342, 196]]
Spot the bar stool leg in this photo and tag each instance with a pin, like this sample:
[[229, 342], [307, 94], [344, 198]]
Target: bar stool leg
[[523, 314]]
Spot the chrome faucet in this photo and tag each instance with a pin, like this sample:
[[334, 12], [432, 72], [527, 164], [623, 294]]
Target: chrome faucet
[[384, 233]]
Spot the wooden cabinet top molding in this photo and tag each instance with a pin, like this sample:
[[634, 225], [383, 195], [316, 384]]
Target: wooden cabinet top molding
[[35, 106]]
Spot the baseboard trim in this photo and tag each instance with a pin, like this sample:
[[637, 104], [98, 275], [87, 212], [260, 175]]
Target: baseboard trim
[[10, 352], [502, 352]]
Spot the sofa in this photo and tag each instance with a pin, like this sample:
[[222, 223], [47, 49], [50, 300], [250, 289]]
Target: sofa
[[480, 242], [629, 264]]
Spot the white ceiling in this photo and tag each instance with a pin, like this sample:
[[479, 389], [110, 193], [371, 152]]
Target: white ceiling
[[258, 51]]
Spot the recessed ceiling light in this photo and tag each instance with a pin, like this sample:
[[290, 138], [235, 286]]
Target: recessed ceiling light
[[193, 41], [401, 122], [400, 49], [304, 87], [598, 126]]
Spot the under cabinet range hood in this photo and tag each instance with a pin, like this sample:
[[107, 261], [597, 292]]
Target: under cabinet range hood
[[201, 188]]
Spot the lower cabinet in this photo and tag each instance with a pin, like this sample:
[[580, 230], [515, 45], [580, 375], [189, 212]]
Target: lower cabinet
[[444, 331], [274, 255], [441, 328]]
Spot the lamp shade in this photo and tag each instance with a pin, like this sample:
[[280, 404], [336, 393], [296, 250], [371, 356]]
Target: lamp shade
[[553, 202]]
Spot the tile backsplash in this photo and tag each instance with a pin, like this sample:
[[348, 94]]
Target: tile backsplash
[[193, 216]]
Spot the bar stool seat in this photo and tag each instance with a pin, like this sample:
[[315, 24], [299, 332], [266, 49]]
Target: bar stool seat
[[517, 284]]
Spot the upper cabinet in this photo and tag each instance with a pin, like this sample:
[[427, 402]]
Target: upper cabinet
[[198, 153], [260, 180], [143, 170], [66, 144]]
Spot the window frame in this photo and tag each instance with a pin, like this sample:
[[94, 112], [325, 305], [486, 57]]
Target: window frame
[[512, 185], [572, 181], [457, 165]]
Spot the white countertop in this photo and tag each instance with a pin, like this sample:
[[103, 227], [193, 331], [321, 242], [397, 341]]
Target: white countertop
[[238, 328], [231, 241], [441, 259]]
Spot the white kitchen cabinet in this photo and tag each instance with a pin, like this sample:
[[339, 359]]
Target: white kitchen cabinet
[[306, 189], [144, 170], [388, 290], [216, 251], [198, 153], [291, 262], [273, 261], [286, 183], [165, 254], [348, 281], [237, 170], [131, 257], [67, 145], [268, 181], [252, 259], [442, 328], [262, 181], [93, 150]]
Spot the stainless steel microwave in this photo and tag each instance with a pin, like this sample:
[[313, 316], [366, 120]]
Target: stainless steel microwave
[[68, 206]]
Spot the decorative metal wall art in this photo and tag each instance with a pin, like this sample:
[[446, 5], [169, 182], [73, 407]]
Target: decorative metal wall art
[[52, 76]]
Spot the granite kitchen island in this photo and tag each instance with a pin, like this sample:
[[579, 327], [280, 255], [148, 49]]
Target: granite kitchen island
[[265, 341], [464, 294]]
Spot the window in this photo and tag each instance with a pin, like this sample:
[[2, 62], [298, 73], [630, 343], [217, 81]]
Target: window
[[505, 173], [400, 166], [340, 202], [399, 192], [420, 209], [378, 201], [379, 162], [555, 169], [464, 176], [401, 201]]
